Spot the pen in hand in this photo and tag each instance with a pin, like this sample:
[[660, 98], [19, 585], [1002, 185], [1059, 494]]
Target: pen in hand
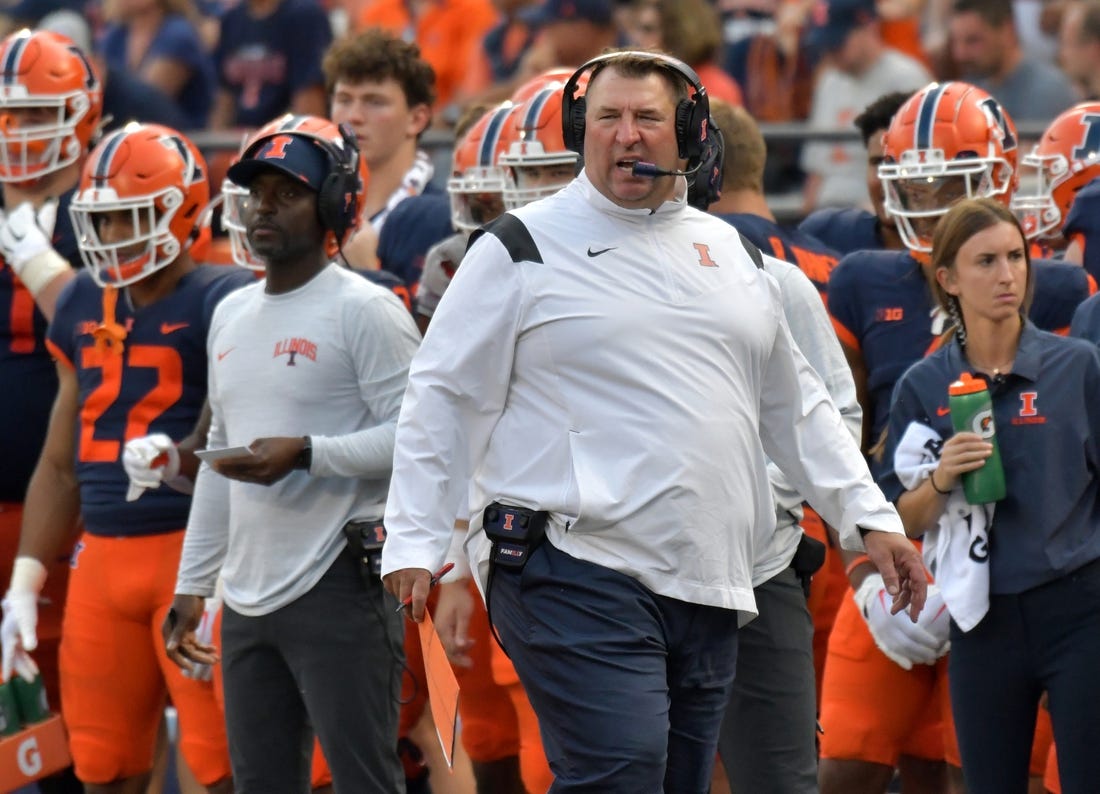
[[432, 583]]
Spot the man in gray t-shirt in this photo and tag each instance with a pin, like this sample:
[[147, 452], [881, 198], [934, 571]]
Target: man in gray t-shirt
[[986, 46], [307, 370]]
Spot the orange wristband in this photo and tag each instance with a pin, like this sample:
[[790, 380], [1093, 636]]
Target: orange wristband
[[858, 561]]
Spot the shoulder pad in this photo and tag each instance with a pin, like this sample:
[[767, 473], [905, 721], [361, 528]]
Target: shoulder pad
[[752, 250], [513, 235]]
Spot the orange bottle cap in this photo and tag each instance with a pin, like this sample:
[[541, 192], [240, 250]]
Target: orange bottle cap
[[966, 384]]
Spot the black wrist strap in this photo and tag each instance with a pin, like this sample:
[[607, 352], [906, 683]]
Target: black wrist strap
[[305, 456], [936, 488]]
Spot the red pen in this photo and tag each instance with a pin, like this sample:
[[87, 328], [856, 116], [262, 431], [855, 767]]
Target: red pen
[[432, 583]]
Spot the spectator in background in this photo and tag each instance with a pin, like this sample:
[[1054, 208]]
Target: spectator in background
[[691, 31], [381, 87], [158, 41], [859, 69], [848, 229], [1079, 47], [26, 13], [448, 32], [268, 62], [125, 98], [569, 33], [986, 46], [497, 60]]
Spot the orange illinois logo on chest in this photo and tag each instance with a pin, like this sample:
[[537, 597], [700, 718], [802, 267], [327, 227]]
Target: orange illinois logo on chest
[[293, 347], [703, 250], [1029, 410]]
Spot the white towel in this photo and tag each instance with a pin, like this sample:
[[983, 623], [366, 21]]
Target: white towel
[[956, 551]]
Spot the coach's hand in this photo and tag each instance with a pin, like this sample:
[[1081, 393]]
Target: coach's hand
[[270, 461], [412, 583], [181, 639], [902, 569]]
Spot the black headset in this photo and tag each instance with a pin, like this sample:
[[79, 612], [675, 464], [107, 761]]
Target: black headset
[[698, 139], [338, 197], [692, 114]]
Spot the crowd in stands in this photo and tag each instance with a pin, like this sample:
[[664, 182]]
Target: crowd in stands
[[913, 77]]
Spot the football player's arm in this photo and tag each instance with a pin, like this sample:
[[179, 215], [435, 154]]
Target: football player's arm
[[26, 235], [52, 504]]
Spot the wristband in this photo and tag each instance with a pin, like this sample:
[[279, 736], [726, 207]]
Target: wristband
[[40, 270], [305, 456], [932, 479], [858, 561]]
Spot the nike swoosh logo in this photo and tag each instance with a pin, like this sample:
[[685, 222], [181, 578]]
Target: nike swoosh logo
[[601, 251], [168, 328], [941, 411], [225, 353]]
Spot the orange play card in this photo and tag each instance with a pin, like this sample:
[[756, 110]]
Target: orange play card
[[442, 687]]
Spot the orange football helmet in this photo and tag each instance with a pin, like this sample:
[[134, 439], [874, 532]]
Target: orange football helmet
[[541, 81], [158, 177], [1066, 159], [947, 142], [235, 197], [50, 105], [477, 182], [536, 162]]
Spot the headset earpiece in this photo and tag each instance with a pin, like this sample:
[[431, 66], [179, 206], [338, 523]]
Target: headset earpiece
[[338, 198]]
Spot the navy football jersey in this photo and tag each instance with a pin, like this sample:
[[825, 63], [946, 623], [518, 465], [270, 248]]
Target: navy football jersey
[[24, 360], [1083, 223], [791, 245], [157, 384], [844, 230], [882, 306], [411, 228]]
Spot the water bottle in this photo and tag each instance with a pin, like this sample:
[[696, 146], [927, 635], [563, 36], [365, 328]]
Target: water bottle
[[9, 710], [972, 411], [31, 698]]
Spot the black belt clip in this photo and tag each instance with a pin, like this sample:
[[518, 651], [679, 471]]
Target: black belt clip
[[365, 539], [515, 533], [808, 559]]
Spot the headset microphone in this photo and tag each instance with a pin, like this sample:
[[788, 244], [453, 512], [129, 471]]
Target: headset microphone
[[651, 170]]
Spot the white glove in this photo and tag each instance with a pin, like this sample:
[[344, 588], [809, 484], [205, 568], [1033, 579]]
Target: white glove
[[904, 642], [25, 235], [18, 629], [149, 461], [205, 634], [27, 247]]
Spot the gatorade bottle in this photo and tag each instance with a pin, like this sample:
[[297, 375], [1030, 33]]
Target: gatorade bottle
[[972, 411], [9, 710], [31, 697]]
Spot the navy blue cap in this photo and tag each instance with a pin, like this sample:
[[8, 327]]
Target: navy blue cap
[[293, 155], [596, 11], [832, 20]]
